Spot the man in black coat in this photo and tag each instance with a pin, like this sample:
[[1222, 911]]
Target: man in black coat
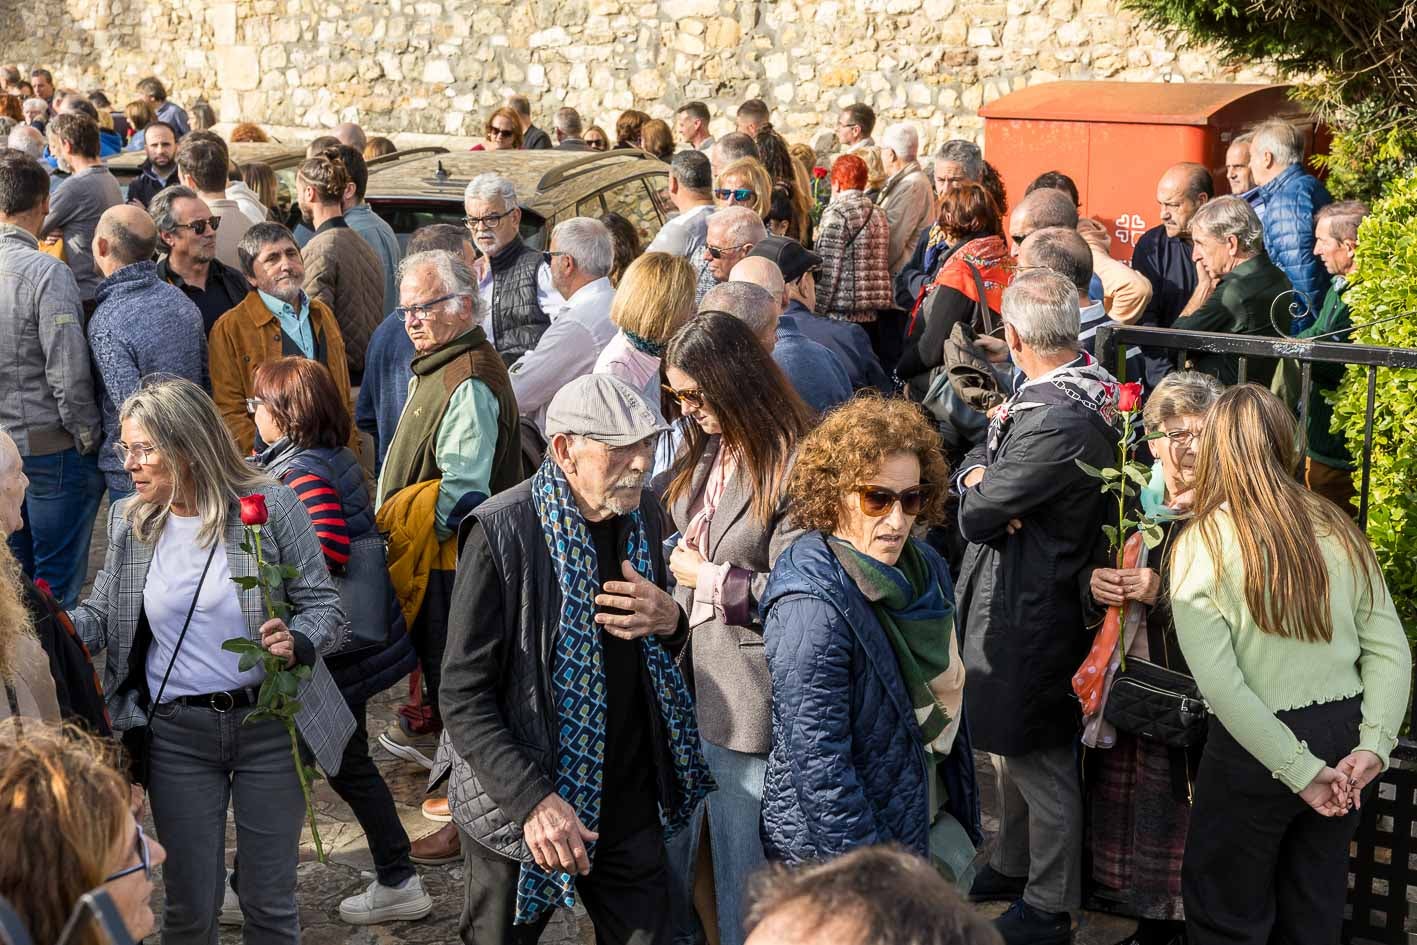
[[1034, 519]]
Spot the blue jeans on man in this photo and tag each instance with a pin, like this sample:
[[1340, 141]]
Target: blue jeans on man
[[59, 508]]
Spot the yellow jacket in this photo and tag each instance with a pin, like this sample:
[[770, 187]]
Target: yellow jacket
[[406, 518]]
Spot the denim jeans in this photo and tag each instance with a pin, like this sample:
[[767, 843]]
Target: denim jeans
[[734, 812], [201, 759], [59, 509]]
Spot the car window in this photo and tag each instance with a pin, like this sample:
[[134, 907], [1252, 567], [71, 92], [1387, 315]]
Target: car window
[[405, 218], [591, 206], [633, 201]]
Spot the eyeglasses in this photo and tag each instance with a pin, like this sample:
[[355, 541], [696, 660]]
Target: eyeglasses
[[693, 398], [736, 194], [495, 132], [718, 252], [141, 450], [1018, 240], [252, 403], [199, 226], [488, 222], [877, 501], [546, 257], [1182, 438], [423, 312], [145, 859]]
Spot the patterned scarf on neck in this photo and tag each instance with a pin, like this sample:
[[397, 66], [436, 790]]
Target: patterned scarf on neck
[[578, 688]]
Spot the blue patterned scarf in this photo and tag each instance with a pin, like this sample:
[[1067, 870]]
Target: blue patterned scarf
[[578, 688]]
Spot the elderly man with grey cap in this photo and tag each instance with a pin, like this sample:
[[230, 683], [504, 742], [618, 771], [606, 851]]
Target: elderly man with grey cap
[[569, 731]]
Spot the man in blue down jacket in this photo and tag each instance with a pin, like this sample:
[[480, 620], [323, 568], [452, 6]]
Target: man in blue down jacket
[[1286, 200]]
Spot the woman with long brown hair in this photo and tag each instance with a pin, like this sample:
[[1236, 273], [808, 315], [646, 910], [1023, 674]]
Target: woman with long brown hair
[[1287, 626], [727, 496]]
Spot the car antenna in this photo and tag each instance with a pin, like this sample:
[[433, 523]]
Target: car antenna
[[441, 173]]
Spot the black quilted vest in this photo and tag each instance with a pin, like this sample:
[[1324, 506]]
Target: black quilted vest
[[341, 469], [517, 319]]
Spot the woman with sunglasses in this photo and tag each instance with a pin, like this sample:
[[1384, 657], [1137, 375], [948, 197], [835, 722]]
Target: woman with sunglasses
[[853, 240], [745, 182], [596, 138], [69, 829], [503, 131], [727, 496], [862, 650]]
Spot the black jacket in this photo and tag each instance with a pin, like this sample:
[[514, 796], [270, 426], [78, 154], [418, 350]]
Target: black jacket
[[496, 693], [76, 684], [535, 139], [1022, 597], [147, 184]]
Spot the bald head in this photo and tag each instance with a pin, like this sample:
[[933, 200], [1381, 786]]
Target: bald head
[[1043, 208], [125, 235], [1180, 193], [352, 135], [763, 273]]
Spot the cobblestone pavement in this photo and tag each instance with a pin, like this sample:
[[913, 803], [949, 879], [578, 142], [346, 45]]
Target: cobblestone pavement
[[322, 886]]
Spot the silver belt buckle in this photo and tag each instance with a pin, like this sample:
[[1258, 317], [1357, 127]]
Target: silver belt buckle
[[218, 697]]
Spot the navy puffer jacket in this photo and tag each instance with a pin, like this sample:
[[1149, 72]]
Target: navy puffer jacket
[[1287, 205], [847, 766]]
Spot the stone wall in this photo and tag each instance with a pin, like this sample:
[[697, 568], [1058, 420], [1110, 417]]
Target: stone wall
[[437, 68]]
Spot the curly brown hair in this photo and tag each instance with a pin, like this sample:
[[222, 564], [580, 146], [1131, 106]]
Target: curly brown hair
[[850, 444]]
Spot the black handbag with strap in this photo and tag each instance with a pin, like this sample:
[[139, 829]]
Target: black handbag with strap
[[1154, 702]]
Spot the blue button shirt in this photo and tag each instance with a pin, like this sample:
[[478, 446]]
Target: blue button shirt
[[294, 324]]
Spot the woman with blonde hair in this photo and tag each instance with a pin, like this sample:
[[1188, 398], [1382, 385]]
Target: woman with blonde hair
[[140, 114], [378, 146], [69, 829], [596, 138], [1286, 623], [747, 183], [655, 297], [161, 607]]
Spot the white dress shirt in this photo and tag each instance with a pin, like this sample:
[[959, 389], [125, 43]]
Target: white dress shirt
[[568, 349]]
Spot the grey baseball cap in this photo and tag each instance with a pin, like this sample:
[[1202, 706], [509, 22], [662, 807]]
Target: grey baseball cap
[[604, 408]]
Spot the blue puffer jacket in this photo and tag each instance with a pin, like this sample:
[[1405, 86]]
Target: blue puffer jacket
[[847, 767], [1287, 206]]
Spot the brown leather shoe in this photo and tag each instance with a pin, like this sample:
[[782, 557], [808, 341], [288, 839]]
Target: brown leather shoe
[[436, 810], [437, 849]]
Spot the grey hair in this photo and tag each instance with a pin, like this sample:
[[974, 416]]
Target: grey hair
[[34, 104], [1042, 306], [1244, 139], [751, 304], [1344, 218], [491, 187], [160, 207], [454, 274], [1280, 139], [1180, 394], [567, 121], [903, 139], [588, 242], [194, 446], [964, 153], [1062, 250], [27, 138], [1230, 216], [740, 225]]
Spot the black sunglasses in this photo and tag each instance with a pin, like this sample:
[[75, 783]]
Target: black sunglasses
[[718, 252], [199, 226]]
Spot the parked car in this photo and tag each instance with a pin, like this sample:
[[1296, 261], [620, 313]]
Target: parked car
[[283, 159], [551, 186]]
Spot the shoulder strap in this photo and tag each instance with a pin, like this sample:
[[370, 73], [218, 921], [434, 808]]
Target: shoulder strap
[[187, 622], [984, 317]]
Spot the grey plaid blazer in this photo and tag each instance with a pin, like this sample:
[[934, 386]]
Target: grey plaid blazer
[[108, 620]]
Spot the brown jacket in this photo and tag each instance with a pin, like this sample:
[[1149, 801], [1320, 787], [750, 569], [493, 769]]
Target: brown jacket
[[343, 272], [247, 337]]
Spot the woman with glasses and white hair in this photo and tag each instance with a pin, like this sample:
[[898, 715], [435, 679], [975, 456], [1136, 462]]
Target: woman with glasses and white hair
[[69, 830], [161, 608]]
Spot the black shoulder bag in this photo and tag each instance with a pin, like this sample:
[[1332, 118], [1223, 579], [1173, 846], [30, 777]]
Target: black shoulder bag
[[138, 741], [1157, 703]]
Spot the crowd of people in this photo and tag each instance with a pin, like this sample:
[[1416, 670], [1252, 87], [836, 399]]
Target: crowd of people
[[713, 567]]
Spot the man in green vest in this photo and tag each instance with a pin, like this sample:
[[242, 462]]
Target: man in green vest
[[459, 429]]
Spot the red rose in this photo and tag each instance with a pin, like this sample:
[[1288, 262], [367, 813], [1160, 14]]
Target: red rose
[[253, 510], [819, 172], [1129, 397]]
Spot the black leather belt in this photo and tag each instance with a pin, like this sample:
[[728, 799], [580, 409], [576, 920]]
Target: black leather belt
[[221, 701]]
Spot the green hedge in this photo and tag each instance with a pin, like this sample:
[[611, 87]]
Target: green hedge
[[1385, 284]]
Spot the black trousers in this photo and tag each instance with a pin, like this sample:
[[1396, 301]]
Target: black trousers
[[1261, 866], [362, 787], [626, 894], [430, 634], [887, 334]]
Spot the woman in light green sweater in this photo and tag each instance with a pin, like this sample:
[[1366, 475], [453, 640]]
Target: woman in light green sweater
[[1288, 628]]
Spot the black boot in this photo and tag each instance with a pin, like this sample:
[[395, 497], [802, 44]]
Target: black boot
[[1025, 925], [992, 886], [1157, 932]]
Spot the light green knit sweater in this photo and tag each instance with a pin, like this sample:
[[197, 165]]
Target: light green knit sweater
[[1247, 675]]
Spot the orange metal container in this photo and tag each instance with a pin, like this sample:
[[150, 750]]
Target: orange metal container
[[1116, 139]]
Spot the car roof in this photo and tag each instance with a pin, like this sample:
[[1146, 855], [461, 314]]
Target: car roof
[[546, 180], [277, 155]]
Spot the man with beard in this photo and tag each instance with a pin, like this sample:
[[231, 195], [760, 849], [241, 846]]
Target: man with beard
[[1163, 255], [275, 320], [160, 169], [186, 230], [341, 268], [571, 740], [456, 443], [513, 280]]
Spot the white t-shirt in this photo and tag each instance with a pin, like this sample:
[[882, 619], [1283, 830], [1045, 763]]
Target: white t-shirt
[[202, 666]]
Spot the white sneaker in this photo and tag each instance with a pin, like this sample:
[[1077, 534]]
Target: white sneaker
[[381, 903], [230, 906]]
